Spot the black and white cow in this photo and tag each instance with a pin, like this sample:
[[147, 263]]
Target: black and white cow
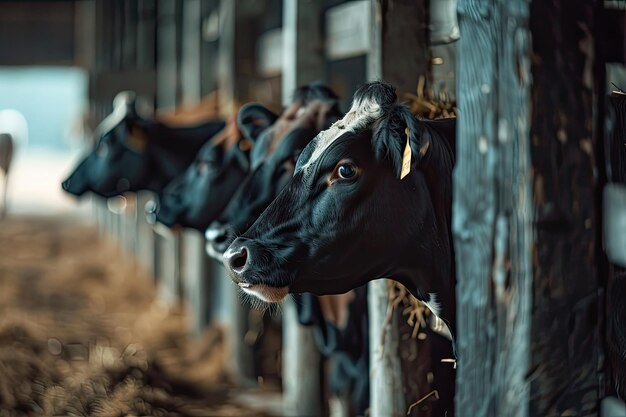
[[199, 196], [370, 198], [200, 193], [133, 153], [347, 217]]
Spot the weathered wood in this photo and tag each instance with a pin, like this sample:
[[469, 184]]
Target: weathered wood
[[397, 27], [190, 65], [386, 388], [196, 280], [491, 210], [302, 63], [566, 353], [145, 235], [614, 231], [167, 73], [168, 268], [301, 367], [303, 58]]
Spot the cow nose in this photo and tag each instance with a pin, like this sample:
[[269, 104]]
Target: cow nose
[[236, 258], [151, 209], [219, 235]]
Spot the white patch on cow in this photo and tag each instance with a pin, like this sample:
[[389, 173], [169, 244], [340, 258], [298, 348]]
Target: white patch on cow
[[120, 111], [264, 292], [433, 304], [360, 115]]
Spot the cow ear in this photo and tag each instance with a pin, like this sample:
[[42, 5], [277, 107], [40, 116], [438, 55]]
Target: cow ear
[[253, 118], [400, 138]]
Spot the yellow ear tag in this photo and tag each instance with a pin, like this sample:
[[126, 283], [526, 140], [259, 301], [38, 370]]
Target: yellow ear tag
[[406, 158]]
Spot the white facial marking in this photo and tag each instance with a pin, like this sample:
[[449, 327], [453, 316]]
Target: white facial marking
[[433, 304], [360, 115], [120, 104]]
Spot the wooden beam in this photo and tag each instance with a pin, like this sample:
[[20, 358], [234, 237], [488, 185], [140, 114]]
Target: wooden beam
[[302, 63], [397, 27], [492, 222], [566, 353]]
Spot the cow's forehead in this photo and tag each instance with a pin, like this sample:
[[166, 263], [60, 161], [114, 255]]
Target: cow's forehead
[[362, 113]]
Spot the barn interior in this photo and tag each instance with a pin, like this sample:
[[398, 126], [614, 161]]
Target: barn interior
[[115, 295]]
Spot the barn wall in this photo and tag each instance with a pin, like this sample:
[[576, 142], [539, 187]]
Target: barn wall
[[566, 353]]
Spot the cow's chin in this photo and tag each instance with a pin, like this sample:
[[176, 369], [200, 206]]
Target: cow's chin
[[265, 293]]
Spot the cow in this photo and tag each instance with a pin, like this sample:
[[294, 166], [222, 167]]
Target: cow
[[6, 155], [347, 217], [370, 198], [274, 158], [133, 153], [196, 198], [276, 151]]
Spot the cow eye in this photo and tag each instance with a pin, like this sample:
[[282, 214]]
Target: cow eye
[[346, 171]]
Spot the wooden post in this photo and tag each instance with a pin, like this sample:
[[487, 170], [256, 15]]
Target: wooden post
[[566, 353], [190, 65], [196, 278], [145, 234], [301, 367], [386, 388], [397, 27], [231, 308], [492, 222], [167, 54], [303, 57], [168, 267], [303, 62]]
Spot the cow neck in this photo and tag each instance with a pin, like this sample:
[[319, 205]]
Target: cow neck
[[172, 149], [437, 166]]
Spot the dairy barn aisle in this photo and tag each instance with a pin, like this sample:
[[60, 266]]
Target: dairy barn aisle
[[80, 333]]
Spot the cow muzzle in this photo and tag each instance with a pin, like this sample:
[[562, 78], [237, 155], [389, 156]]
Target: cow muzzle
[[151, 209], [219, 236], [239, 260]]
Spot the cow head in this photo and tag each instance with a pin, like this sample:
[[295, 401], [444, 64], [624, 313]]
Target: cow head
[[274, 158], [346, 217], [133, 153], [198, 195]]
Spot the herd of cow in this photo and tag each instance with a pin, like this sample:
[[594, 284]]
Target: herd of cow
[[312, 202]]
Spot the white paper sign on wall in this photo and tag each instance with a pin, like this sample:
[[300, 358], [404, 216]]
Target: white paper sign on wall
[[348, 28], [270, 53]]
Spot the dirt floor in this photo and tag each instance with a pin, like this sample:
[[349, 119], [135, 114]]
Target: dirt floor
[[81, 334]]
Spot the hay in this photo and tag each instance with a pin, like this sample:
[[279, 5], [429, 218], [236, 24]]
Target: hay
[[81, 335], [430, 104]]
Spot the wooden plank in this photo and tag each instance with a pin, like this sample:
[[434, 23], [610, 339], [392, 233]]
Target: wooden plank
[[302, 62], [146, 30], [168, 279], [190, 65], [566, 353], [303, 58], [386, 390], [397, 27], [196, 279], [491, 210], [301, 367], [145, 235], [167, 55]]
